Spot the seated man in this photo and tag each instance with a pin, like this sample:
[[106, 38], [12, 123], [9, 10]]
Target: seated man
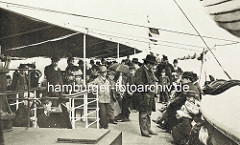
[[48, 119], [168, 119], [188, 111]]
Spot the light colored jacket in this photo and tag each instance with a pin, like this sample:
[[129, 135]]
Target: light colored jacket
[[104, 89], [189, 108]]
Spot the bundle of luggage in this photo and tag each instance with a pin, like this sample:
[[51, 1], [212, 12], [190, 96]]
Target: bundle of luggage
[[219, 86]]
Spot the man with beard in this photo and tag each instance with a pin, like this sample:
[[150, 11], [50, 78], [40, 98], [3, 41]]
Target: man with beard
[[144, 76]]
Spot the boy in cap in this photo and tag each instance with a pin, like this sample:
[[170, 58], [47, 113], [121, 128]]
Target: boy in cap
[[103, 95], [164, 81]]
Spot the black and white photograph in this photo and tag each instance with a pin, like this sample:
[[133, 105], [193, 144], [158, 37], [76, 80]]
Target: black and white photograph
[[119, 72]]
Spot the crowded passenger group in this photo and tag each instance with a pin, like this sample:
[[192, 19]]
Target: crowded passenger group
[[179, 112]]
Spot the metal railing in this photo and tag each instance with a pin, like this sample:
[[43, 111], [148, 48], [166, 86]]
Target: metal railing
[[86, 110], [72, 108], [20, 101], [71, 97]]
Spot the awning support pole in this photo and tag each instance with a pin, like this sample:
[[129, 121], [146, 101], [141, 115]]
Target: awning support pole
[[84, 58], [85, 110], [118, 53]]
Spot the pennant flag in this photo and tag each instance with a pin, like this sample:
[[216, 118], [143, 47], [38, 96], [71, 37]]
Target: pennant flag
[[153, 33]]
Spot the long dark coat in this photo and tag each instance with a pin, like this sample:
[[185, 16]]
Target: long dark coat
[[144, 76], [53, 77], [19, 83]]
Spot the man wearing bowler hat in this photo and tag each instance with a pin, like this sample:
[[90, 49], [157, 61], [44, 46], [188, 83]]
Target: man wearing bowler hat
[[136, 63], [144, 76]]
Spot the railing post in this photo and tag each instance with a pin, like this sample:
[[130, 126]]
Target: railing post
[[35, 109], [73, 114], [97, 110], [17, 101], [85, 109], [70, 111]]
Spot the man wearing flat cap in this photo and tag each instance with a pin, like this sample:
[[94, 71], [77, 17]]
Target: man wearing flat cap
[[54, 77], [145, 76]]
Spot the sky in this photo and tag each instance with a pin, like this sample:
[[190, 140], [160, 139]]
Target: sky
[[162, 14]]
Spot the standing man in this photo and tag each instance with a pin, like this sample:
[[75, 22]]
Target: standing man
[[70, 78], [136, 63], [144, 76], [128, 95], [54, 77], [19, 81]]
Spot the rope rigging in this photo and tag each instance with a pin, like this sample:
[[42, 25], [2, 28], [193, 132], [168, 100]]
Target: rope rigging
[[202, 39]]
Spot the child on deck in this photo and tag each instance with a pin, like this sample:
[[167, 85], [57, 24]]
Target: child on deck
[[164, 81], [104, 96]]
